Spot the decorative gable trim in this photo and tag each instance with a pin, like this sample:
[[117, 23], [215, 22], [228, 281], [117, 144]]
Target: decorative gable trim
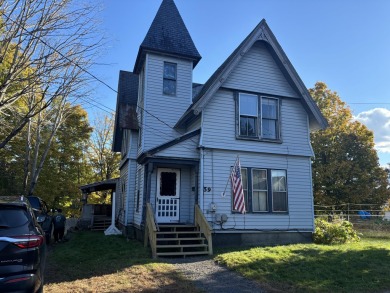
[[261, 33]]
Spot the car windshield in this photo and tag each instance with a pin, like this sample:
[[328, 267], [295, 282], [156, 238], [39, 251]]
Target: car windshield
[[11, 217]]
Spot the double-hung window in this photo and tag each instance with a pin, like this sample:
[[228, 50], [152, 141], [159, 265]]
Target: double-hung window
[[170, 79], [279, 190], [258, 117], [265, 190], [248, 115], [259, 190]]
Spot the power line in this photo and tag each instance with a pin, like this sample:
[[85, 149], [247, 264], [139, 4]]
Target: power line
[[90, 74]]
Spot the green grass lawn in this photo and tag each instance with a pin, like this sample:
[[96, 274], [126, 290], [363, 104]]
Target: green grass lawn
[[357, 267], [92, 262]]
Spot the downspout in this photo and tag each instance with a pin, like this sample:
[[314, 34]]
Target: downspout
[[201, 193], [201, 169]]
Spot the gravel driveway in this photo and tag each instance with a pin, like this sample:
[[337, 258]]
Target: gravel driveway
[[211, 277]]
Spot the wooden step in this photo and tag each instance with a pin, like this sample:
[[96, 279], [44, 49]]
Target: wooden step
[[181, 239], [182, 253], [181, 245], [177, 232]]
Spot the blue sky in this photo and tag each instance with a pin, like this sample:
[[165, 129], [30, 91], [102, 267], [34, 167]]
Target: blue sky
[[345, 43]]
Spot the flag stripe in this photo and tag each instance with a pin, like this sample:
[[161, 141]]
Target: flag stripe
[[238, 191]]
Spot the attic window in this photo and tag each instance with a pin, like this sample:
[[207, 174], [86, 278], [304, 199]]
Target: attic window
[[170, 78]]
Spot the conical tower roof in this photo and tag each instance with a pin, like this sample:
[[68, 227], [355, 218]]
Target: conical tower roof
[[168, 35]]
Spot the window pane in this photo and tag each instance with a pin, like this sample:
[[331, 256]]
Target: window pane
[[248, 126], [168, 184], [170, 70], [248, 105], [269, 108], [251, 126], [259, 179], [278, 180], [244, 178], [269, 128], [279, 201], [169, 87], [260, 201], [243, 126]]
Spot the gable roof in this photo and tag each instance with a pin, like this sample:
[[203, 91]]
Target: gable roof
[[261, 32], [126, 106], [168, 35]]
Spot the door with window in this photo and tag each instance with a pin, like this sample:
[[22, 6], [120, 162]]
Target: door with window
[[168, 195]]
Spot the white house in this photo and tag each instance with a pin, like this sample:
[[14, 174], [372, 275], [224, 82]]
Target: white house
[[179, 141]]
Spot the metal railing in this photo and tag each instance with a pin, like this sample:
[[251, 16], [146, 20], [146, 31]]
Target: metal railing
[[350, 211], [150, 230], [204, 227]]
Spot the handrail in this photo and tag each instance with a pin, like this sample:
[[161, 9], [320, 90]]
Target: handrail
[[150, 230], [204, 227]]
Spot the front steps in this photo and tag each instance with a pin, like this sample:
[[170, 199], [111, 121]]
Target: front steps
[[180, 240]]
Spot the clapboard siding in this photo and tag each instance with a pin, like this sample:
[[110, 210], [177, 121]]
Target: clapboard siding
[[258, 72], [217, 164], [139, 186], [186, 149], [133, 144], [131, 190], [187, 196], [122, 193], [219, 128], [167, 108]]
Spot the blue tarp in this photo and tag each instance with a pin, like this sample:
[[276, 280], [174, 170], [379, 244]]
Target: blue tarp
[[364, 215]]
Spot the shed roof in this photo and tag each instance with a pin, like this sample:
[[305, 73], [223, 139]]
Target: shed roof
[[109, 184]]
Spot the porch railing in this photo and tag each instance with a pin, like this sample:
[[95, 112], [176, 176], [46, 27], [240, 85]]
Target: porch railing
[[150, 230], [204, 226]]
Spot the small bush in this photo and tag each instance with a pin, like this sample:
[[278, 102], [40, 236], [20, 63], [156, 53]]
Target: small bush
[[337, 232]]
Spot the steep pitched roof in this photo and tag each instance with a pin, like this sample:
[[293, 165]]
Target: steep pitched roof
[[168, 35], [261, 32], [126, 106]]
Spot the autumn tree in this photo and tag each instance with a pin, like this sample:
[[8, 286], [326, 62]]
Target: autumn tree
[[66, 166], [46, 48], [102, 159], [345, 167]]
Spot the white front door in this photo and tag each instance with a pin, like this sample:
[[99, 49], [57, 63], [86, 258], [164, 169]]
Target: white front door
[[168, 195]]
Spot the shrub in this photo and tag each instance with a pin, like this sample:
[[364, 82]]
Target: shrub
[[337, 232]]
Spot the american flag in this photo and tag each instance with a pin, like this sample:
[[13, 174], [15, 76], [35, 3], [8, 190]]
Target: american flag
[[238, 192]]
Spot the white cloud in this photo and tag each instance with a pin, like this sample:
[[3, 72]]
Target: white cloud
[[378, 120]]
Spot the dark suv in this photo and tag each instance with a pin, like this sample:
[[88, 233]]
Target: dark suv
[[42, 214], [22, 247]]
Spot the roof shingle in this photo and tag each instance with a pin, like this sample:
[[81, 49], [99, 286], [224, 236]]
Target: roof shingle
[[169, 35]]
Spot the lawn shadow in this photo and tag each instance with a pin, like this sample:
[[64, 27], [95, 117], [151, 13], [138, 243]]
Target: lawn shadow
[[91, 254]]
